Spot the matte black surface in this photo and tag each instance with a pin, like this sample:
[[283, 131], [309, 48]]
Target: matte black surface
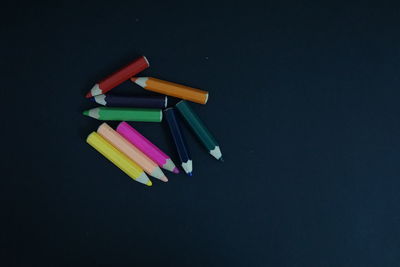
[[304, 101]]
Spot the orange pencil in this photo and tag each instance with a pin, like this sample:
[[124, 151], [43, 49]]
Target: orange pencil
[[132, 152], [172, 89]]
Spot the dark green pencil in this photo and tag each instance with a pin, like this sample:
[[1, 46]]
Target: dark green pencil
[[199, 129]]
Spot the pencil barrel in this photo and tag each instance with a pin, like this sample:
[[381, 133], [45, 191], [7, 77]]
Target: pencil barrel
[[157, 102], [123, 74], [196, 125], [126, 114], [172, 89], [177, 134]]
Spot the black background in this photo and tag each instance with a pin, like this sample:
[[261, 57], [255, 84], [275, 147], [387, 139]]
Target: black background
[[304, 100]]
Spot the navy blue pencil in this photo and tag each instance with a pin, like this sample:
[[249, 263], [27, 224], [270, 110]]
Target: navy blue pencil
[[131, 101], [179, 140]]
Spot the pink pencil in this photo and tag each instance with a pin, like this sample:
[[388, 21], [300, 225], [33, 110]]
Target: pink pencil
[[147, 147]]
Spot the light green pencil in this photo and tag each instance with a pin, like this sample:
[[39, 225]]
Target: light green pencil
[[124, 114], [199, 129]]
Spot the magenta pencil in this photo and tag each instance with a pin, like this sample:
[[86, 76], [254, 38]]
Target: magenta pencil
[[147, 147]]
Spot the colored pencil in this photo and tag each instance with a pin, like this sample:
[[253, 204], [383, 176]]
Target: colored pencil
[[172, 89], [131, 101], [132, 152], [199, 129], [124, 114], [147, 147], [120, 76], [179, 140], [119, 159]]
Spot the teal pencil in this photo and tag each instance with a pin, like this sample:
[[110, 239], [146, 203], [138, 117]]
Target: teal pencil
[[200, 129]]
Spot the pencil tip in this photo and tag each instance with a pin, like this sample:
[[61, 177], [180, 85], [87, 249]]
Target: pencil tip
[[221, 159], [190, 173], [149, 183], [175, 170], [89, 94], [133, 79], [86, 112], [91, 99]]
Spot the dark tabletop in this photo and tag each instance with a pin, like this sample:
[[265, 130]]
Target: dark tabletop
[[304, 101]]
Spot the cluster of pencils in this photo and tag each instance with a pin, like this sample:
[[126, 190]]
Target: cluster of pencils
[[126, 147]]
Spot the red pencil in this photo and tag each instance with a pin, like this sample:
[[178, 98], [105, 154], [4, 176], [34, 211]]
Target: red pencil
[[119, 76]]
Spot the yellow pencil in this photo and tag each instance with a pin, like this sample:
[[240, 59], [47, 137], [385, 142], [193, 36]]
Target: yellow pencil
[[119, 159]]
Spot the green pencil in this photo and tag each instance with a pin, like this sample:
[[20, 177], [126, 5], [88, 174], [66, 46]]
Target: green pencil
[[124, 114], [199, 129]]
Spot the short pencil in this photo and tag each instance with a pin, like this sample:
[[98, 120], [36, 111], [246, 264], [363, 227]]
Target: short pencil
[[179, 140], [172, 89], [199, 129], [147, 147], [124, 114], [131, 101], [120, 76], [119, 159]]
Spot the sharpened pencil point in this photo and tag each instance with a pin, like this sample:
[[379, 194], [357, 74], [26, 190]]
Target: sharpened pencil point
[[190, 174], [221, 159], [164, 179], [133, 79], [175, 170], [92, 99], [88, 95], [86, 112], [149, 183]]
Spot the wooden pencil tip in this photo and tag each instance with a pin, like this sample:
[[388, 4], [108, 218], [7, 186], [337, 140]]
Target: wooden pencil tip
[[221, 159], [89, 94], [147, 61], [133, 79], [86, 112]]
